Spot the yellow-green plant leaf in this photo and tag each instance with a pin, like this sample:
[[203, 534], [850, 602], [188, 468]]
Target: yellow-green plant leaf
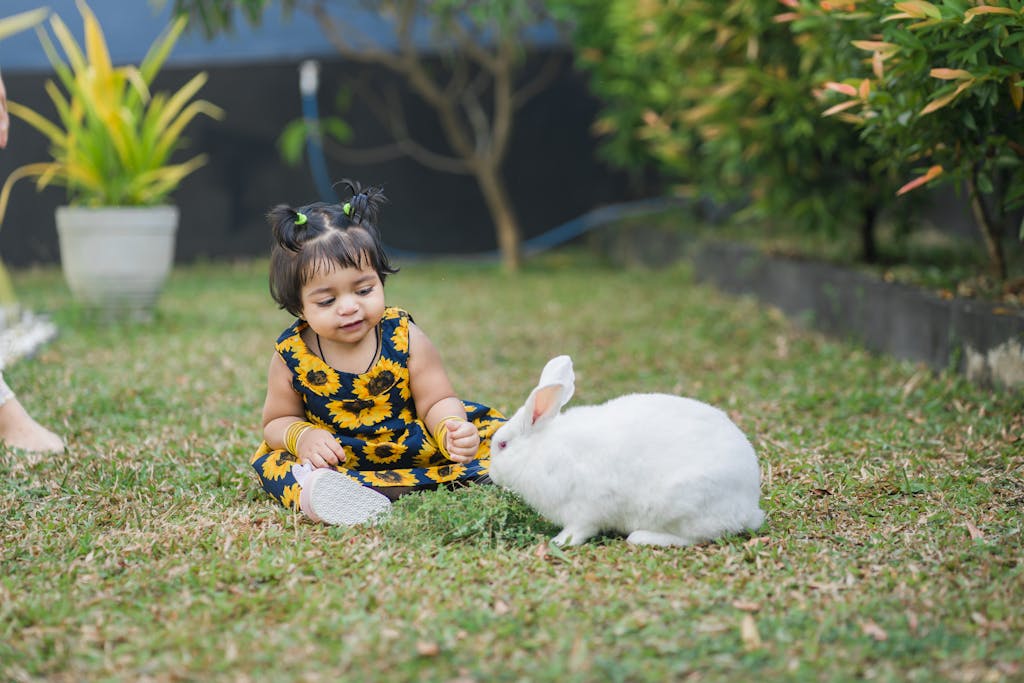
[[17, 23], [26, 171], [59, 101], [40, 123], [985, 9], [919, 9], [160, 49], [844, 88], [887, 49], [64, 73], [170, 134], [68, 43], [178, 100], [1016, 92], [930, 174], [95, 44], [842, 106], [112, 140], [47, 176], [941, 102], [951, 74], [158, 183]]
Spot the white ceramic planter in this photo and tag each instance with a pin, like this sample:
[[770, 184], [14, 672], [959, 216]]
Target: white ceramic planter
[[117, 259]]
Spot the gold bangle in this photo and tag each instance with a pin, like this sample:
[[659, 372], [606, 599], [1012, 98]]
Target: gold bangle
[[294, 432], [441, 432]]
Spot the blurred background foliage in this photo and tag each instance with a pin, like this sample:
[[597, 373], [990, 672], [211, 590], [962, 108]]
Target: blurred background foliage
[[820, 118]]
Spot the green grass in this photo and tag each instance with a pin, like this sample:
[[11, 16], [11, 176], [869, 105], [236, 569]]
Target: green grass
[[892, 550]]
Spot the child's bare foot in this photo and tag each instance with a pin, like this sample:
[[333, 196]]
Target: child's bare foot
[[19, 430]]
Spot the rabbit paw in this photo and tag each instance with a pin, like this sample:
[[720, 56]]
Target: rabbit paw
[[570, 536], [641, 537]]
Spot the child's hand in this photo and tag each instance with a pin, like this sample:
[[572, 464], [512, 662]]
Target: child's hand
[[462, 441], [319, 448]]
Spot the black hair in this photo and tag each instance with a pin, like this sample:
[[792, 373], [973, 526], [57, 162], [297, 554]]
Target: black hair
[[319, 235]]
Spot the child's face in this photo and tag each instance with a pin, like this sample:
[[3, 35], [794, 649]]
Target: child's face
[[343, 304]]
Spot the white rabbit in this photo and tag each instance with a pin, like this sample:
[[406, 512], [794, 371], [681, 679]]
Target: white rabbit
[[663, 469]]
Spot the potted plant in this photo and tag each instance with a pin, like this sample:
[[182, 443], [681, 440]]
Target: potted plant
[[111, 148]]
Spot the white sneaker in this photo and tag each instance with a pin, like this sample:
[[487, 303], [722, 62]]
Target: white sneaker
[[330, 497]]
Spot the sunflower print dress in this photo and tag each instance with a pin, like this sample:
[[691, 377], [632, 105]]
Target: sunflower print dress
[[373, 417]]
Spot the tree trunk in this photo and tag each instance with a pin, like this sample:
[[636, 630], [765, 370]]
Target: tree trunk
[[989, 229], [868, 244], [505, 224]]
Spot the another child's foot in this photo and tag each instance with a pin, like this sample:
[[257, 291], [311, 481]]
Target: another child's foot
[[330, 497], [19, 430]]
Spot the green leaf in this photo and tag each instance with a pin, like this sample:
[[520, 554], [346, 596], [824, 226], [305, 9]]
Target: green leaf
[[337, 129], [985, 183], [292, 141], [558, 553], [22, 21]]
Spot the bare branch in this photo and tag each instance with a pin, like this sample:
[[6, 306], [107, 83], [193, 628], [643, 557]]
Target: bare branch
[[501, 126], [394, 115], [396, 150], [343, 41], [458, 82], [367, 155], [545, 77], [473, 46], [478, 120], [388, 109]]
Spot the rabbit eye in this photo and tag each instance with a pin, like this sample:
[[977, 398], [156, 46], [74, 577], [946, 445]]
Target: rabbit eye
[[502, 444]]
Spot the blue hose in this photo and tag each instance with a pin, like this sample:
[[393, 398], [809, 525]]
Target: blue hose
[[552, 238]]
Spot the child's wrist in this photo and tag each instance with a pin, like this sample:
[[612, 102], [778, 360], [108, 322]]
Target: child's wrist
[[294, 432], [441, 433]]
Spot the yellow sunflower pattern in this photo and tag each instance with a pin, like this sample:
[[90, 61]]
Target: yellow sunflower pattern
[[389, 478], [373, 417], [446, 473], [290, 497], [384, 452], [279, 465], [317, 376], [353, 413], [400, 341], [380, 380]]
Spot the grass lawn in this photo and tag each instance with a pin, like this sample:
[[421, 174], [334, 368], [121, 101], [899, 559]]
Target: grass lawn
[[892, 550]]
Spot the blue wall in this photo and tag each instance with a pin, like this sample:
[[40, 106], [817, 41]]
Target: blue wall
[[131, 26]]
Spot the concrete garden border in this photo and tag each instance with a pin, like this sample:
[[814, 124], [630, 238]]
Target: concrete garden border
[[984, 341]]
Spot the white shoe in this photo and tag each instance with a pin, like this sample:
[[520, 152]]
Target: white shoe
[[330, 497]]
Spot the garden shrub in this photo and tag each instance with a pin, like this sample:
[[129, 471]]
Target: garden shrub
[[725, 96], [940, 90]]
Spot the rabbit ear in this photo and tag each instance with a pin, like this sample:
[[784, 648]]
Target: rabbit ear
[[559, 371], [556, 387]]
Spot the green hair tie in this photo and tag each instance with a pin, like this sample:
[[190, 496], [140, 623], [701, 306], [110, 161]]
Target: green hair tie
[[347, 208], [300, 218]]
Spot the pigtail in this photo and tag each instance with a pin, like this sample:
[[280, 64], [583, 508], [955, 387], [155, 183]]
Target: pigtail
[[289, 226], [364, 207], [321, 235]]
